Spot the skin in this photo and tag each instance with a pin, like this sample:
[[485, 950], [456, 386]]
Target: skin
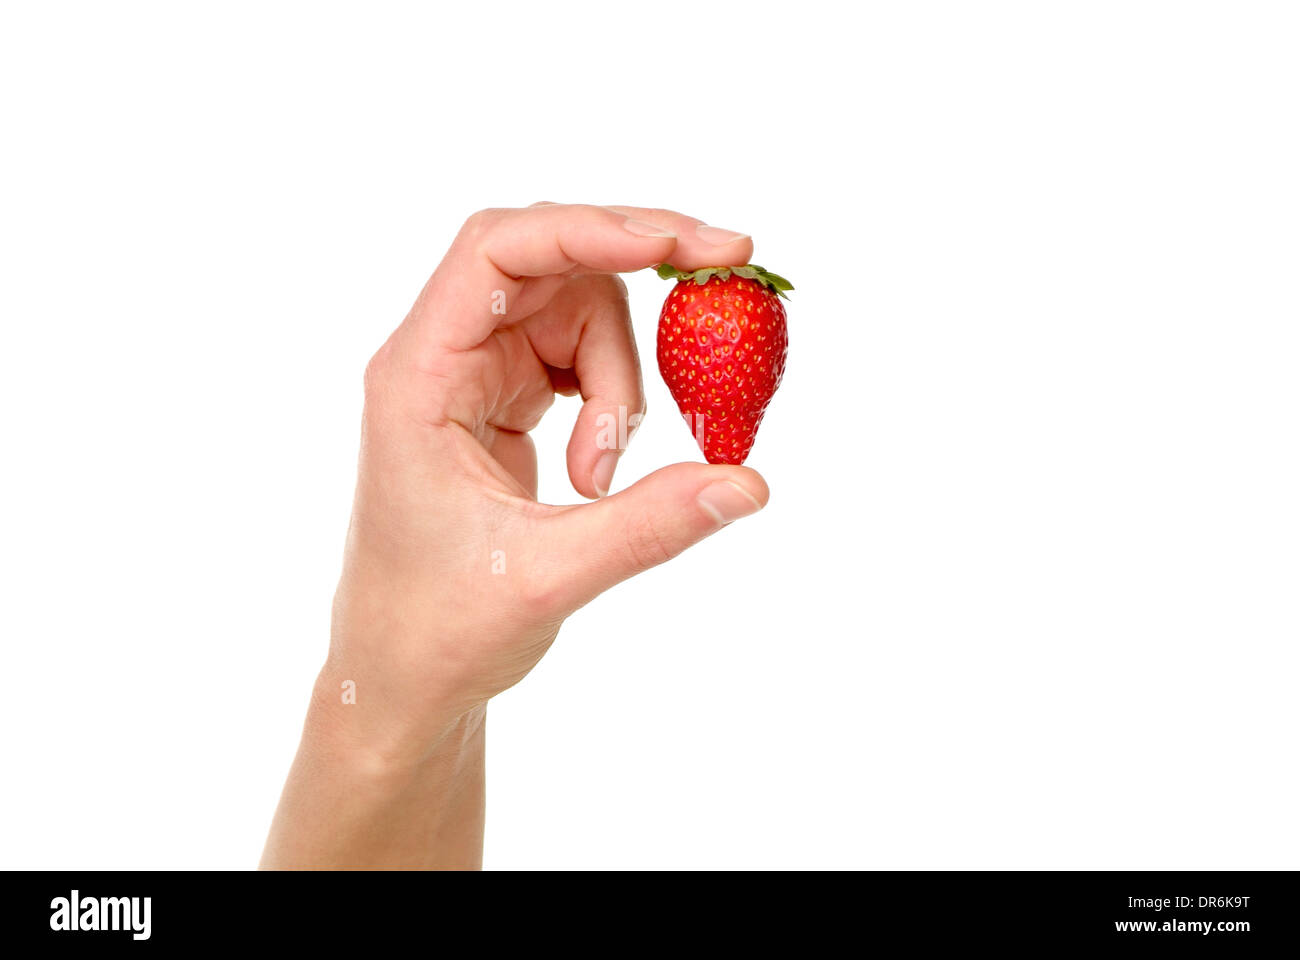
[[426, 625]]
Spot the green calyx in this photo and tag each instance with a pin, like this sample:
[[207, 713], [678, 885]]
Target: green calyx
[[750, 271]]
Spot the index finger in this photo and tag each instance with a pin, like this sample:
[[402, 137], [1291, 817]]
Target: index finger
[[505, 263], [497, 266], [698, 243]]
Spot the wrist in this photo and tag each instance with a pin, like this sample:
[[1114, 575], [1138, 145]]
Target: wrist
[[373, 737], [361, 795]]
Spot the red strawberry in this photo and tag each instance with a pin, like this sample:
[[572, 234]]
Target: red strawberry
[[722, 346]]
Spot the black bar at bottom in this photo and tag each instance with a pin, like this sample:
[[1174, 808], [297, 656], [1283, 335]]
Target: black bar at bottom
[[617, 911]]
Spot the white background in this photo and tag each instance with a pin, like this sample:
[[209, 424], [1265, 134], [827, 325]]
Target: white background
[[1026, 591]]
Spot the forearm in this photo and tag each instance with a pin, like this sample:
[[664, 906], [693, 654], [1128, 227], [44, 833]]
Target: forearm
[[348, 804]]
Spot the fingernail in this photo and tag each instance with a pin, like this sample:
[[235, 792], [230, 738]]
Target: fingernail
[[717, 236], [725, 501], [643, 229], [603, 475]]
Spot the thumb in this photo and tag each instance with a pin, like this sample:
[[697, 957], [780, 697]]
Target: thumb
[[600, 544]]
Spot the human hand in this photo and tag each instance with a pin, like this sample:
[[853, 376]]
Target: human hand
[[455, 578]]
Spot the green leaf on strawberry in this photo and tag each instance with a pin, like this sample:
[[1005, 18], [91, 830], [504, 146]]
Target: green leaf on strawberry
[[750, 271]]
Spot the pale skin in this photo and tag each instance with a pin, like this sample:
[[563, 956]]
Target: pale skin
[[455, 579]]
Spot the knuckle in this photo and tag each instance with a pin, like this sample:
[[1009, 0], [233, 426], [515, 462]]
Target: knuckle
[[377, 381], [540, 599], [608, 285], [477, 223], [616, 285], [647, 546], [375, 374]]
